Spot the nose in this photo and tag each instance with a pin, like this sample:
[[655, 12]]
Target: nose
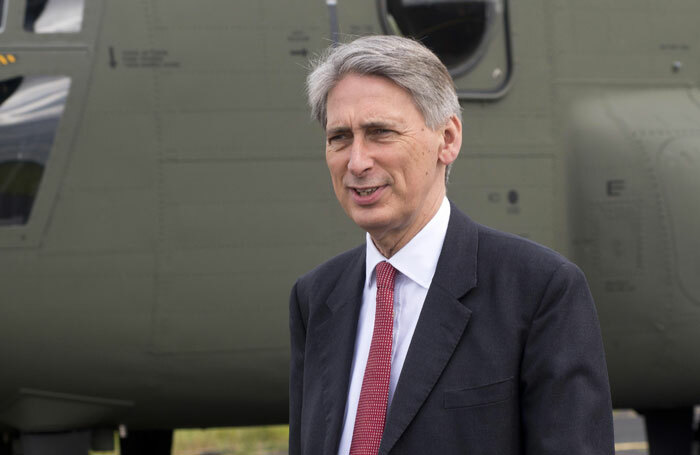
[[360, 160]]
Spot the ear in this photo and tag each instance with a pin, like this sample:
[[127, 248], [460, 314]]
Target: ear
[[451, 141]]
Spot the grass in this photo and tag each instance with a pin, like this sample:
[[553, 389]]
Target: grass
[[269, 440]]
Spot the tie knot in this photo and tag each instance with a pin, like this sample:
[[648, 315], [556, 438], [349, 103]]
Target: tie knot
[[385, 275]]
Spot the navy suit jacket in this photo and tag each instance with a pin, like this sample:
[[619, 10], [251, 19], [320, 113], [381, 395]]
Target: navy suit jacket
[[506, 358]]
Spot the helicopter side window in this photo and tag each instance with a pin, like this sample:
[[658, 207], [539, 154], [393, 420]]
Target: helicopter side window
[[30, 109], [3, 14], [54, 16], [457, 31]]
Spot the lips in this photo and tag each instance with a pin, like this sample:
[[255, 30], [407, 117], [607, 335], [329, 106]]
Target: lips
[[367, 195], [366, 191]]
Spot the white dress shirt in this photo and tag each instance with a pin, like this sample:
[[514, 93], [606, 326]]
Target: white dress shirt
[[415, 263]]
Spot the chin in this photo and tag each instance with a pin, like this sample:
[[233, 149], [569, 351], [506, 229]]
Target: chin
[[370, 221]]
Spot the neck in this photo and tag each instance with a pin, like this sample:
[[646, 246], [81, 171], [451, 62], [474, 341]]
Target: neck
[[390, 243]]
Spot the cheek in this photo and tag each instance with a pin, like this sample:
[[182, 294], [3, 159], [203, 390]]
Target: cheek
[[336, 170], [333, 164]]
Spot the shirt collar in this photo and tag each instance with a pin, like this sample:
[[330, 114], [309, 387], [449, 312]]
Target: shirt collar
[[419, 257]]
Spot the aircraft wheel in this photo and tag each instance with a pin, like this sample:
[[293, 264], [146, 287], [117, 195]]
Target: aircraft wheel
[[147, 442], [5, 446], [669, 431]]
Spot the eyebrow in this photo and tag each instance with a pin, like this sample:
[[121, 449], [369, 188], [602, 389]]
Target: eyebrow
[[377, 124], [364, 126], [337, 129]]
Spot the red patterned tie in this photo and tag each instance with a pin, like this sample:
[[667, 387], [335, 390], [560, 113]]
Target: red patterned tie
[[371, 409]]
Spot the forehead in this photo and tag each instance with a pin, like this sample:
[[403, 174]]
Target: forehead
[[368, 97]]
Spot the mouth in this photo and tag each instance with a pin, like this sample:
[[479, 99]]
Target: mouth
[[366, 191], [367, 196]]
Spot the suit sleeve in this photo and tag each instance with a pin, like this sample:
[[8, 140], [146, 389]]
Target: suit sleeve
[[297, 331], [565, 393]]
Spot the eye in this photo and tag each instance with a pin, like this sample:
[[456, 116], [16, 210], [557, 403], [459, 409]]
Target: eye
[[380, 131], [336, 138]]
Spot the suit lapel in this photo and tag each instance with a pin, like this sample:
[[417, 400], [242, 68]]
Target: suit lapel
[[337, 333], [440, 326]]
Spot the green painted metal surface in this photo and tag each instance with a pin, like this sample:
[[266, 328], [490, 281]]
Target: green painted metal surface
[[186, 190]]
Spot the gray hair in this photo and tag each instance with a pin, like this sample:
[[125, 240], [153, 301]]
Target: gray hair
[[406, 62]]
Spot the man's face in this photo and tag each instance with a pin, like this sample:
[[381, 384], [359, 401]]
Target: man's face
[[386, 165]]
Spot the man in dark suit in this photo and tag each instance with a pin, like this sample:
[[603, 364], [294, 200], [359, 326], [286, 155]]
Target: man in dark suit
[[439, 336]]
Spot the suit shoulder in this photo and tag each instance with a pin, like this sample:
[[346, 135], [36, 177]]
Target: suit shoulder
[[508, 251], [322, 279], [533, 272]]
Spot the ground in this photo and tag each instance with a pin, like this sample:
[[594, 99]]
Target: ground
[[629, 439]]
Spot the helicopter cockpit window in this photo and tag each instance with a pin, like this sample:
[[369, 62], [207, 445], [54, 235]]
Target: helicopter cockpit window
[[54, 16], [458, 31], [3, 13], [30, 109]]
